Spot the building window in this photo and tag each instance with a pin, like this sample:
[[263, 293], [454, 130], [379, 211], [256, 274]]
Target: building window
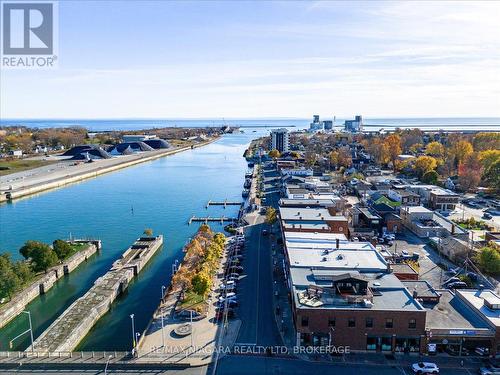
[[351, 322], [389, 323], [305, 321], [331, 322], [412, 323], [369, 322]]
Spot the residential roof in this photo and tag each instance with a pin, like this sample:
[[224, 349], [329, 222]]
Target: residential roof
[[422, 287], [403, 268]]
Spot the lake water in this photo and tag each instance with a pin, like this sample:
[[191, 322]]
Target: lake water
[[473, 123], [163, 194]]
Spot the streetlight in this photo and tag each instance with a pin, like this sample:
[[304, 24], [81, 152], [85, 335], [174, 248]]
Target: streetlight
[[107, 363], [30, 330], [133, 332], [161, 312]]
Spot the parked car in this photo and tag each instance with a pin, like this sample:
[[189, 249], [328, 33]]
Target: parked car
[[235, 269], [489, 370], [487, 216], [452, 280], [425, 368], [265, 232], [230, 303], [233, 275], [457, 285], [473, 276], [482, 351], [220, 313]]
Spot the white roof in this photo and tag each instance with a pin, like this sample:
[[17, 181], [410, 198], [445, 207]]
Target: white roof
[[416, 209], [350, 255], [476, 298]]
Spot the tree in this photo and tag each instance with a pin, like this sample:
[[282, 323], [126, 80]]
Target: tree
[[62, 249], [488, 158], [486, 141], [430, 177], [271, 216], [425, 164], [201, 283], [41, 255], [460, 150], [435, 149], [470, 172], [492, 175], [489, 259], [9, 281], [393, 144], [310, 158], [295, 154], [334, 158], [410, 138], [148, 232], [345, 157], [23, 271], [274, 154]]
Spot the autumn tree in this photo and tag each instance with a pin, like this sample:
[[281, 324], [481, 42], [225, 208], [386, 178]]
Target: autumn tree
[[460, 150], [486, 141], [435, 149], [393, 144], [410, 138], [274, 154], [424, 164], [470, 172], [344, 157]]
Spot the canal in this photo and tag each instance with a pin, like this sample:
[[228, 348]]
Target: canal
[[116, 208]]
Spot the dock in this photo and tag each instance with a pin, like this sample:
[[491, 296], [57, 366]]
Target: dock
[[64, 334], [207, 219], [223, 203]]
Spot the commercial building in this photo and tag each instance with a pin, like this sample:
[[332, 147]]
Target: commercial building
[[343, 294], [328, 124], [354, 126], [426, 223], [435, 197], [320, 220], [316, 124], [279, 140]]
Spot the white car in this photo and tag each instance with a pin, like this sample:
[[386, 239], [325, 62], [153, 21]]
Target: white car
[[425, 368], [489, 370]]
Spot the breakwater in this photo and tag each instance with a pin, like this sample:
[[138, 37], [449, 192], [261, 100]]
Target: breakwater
[[64, 334], [41, 285], [99, 169]]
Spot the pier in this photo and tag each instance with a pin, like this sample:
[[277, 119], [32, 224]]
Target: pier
[[64, 334], [208, 219], [223, 203]]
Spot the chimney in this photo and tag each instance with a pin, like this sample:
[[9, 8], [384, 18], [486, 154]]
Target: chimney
[[337, 243]]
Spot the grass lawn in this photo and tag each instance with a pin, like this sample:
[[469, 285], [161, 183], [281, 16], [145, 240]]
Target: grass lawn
[[192, 301], [13, 166]]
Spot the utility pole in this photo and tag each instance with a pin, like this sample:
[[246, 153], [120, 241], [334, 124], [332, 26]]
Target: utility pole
[[133, 332]]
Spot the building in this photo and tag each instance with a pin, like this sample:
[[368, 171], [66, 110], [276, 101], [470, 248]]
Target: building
[[316, 125], [354, 126], [320, 220], [328, 124], [364, 222], [435, 197], [426, 223], [127, 138], [344, 294], [463, 321], [279, 140], [406, 198], [16, 153]]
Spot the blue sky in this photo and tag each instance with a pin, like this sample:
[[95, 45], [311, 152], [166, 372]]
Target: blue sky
[[257, 59]]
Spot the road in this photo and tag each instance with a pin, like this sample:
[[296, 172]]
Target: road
[[245, 365], [256, 299]]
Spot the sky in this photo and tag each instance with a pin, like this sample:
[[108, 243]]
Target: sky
[[263, 59]]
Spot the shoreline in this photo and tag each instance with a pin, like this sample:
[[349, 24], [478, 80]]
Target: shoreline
[[53, 182]]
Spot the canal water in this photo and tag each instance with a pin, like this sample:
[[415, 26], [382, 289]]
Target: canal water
[[116, 208]]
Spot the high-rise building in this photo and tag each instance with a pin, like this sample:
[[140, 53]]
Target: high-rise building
[[279, 140], [328, 124], [355, 125], [316, 124]]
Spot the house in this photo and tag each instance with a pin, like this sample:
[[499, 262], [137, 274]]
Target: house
[[364, 222], [16, 153], [405, 198], [435, 197]]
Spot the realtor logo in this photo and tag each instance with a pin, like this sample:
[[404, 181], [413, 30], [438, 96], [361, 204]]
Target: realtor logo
[[28, 34]]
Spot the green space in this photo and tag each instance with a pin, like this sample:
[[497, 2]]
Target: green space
[[13, 166], [473, 224]]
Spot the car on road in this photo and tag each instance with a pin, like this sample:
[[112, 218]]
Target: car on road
[[483, 352], [457, 285], [235, 269], [425, 368], [487, 216]]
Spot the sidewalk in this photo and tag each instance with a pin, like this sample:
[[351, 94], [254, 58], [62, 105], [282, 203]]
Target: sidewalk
[[197, 349]]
